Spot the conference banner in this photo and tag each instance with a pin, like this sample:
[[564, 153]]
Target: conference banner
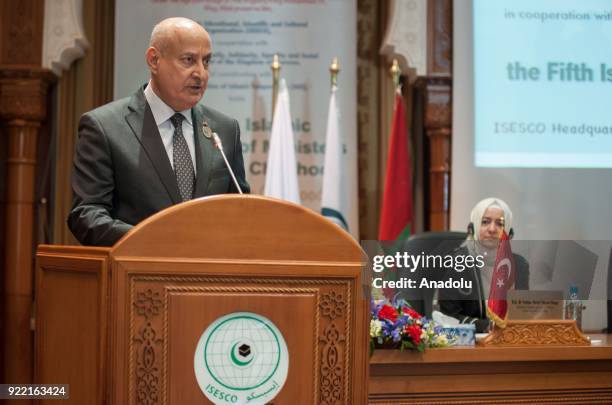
[[306, 34]]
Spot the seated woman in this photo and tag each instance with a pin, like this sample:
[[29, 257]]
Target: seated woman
[[487, 219]]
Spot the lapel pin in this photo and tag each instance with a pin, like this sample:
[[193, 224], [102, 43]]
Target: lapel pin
[[206, 130]]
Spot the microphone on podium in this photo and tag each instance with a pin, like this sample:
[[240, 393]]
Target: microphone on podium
[[217, 142]]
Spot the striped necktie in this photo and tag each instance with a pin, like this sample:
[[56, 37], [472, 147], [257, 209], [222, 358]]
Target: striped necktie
[[183, 166]]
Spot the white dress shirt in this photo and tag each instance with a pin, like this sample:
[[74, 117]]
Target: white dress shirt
[[162, 114]]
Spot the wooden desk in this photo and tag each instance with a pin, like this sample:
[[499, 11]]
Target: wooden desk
[[493, 375]]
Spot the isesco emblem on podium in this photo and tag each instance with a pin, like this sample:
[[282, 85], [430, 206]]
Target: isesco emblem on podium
[[241, 358]]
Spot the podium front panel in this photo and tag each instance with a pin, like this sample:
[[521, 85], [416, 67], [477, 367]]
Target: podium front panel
[[165, 308]]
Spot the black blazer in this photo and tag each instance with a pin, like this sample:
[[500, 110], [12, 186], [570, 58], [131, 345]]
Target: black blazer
[[122, 173]]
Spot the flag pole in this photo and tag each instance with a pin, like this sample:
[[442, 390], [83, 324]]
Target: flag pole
[[276, 67], [334, 69], [494, 318], [335, 198], [395, 74]]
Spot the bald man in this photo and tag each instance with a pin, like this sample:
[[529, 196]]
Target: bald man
[[139, 155]]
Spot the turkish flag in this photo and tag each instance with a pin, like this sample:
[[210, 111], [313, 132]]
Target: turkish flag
[[503, 279]]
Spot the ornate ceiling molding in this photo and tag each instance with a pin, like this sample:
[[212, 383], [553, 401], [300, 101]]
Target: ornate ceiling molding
[[406, 36], [63, 35]]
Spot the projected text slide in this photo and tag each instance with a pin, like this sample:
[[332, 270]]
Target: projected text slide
[[543, 83]]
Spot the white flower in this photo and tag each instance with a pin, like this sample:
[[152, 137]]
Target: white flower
[[375, 328], [441, 340]]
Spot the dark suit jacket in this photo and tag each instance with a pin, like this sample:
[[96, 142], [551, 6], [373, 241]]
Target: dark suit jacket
[[122, 173]]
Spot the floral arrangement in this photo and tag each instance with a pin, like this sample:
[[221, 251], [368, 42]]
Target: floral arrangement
[[396, 324]]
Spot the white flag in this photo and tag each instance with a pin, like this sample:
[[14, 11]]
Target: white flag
[[334, 199], [281, 171]]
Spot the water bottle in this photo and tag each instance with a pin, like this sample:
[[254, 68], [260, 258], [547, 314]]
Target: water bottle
[[573, 307]]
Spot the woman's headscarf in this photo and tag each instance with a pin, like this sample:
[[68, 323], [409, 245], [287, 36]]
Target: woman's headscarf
[[476, 248], [481, 207]]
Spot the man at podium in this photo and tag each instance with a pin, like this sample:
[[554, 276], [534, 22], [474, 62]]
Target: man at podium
[[139, 155]]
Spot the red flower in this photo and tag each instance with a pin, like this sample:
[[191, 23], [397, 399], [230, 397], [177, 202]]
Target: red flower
[[411, 313], [388, 312], [414, 331]]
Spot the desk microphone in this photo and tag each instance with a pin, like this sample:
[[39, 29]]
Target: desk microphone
[[219, 146]]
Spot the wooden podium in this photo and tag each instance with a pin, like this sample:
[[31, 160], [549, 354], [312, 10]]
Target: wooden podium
[[121, 324]]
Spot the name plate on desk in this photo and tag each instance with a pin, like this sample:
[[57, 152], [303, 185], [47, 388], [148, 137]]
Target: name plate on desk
[[532, 305]]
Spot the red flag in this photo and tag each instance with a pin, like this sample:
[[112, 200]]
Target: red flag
[[396, 212], [503, 279]]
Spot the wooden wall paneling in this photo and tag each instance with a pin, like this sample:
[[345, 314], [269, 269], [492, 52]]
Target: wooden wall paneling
[[86, 85], [71, 104], [65, 135], [437, 126], [23, 110], [104, 51], [3, 27], [440, 38], [23, 107], [22, 33], [420, 161], [43, 191], [3, 176], [438, 105], [369, 16]]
